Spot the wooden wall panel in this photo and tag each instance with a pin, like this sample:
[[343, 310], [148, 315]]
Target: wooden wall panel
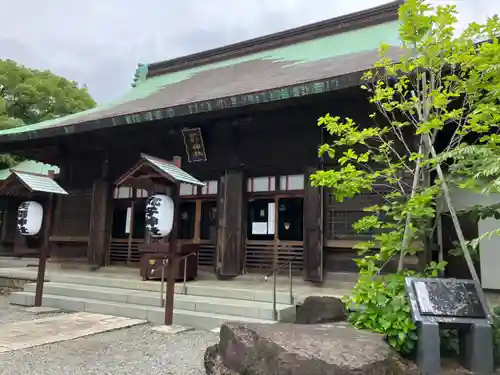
[[72, 216], [98, 234], [313, 231]]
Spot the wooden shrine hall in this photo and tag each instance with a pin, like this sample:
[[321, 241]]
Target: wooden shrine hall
[[243, 120]]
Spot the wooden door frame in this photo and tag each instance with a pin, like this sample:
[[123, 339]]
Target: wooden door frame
[[198, 200], [275, 196], [123, 203]]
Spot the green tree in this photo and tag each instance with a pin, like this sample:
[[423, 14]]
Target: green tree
[[443, 80], [29, 96]]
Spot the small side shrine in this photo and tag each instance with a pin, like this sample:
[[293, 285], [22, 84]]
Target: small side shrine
[[161, 254], [34, 215]]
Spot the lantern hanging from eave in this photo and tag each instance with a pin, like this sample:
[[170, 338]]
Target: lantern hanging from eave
[[29, 218], [159, 215]]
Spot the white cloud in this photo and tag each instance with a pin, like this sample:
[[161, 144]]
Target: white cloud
[[99, 42]]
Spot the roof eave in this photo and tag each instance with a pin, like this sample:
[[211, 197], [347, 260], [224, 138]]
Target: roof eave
[[321, 86]]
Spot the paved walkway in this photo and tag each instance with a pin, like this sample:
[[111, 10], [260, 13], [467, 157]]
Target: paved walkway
[[27, 334]]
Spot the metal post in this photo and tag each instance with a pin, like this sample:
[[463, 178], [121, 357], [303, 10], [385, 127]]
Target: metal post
[[453, 214], [162, 285], [275, 313], [184, 289], [290, 286], [171, 275], [44, 253], [440, 240], [456, 223], [173, 262], [406, 234]]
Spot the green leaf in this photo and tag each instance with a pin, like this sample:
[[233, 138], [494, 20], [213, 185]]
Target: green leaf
[[446, 87]]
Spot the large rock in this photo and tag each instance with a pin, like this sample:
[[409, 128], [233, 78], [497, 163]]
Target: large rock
[[282, 349], [214, 364], [317, 309]]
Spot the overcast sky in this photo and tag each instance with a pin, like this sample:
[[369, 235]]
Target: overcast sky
[[100, 42]]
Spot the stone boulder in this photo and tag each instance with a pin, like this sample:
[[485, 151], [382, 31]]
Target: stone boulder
[[214, 364], [283, 349], [318, 309]]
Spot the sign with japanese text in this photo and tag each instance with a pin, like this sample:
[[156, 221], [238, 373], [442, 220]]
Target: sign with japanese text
[[195, 148]]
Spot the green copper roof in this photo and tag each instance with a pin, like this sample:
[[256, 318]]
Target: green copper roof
[[176, 174], [39, 183], [314, 66], [29, 166]]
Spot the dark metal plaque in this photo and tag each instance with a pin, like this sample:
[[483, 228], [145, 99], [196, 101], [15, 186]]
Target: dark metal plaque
[[452, 304], [445, 300], [448, 298]]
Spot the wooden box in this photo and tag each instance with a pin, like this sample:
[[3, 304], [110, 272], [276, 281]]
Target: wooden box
[[152, 263]]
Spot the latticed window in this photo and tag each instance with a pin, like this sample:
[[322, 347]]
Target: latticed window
[[74, 214], [341, 216]]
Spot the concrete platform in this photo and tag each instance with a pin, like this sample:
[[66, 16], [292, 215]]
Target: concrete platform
[[171, 330], [250, 287], [39, 310], [156, 315], [206, 305], [27, 334], [230, 305]]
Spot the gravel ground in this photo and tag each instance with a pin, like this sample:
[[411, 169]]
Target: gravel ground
[[137, 350], [9, 314]]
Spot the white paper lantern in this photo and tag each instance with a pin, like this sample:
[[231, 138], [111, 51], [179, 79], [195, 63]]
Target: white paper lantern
[[29, 218], [159, 215]]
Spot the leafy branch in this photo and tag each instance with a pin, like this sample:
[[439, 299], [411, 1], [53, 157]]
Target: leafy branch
[[443, 86]]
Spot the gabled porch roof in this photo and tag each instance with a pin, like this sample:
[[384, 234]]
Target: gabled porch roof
[[23, 183], [137, 175], [30, 166]]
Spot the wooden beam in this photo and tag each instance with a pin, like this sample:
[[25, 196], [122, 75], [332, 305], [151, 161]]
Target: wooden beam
[[147, 176], [197, 221], [68, 239]]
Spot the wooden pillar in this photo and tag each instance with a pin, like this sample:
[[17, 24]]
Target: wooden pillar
[[3, 224], [230, 247], [197, 221], [45, 250], [313, 231], [98, 236]]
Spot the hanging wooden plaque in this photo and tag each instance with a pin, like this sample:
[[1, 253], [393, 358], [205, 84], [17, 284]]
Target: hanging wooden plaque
[[195, 149]]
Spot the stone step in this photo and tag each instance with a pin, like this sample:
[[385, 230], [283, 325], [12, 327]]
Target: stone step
[[156, 315], [9, 262], [261, 293], [215, 305]]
